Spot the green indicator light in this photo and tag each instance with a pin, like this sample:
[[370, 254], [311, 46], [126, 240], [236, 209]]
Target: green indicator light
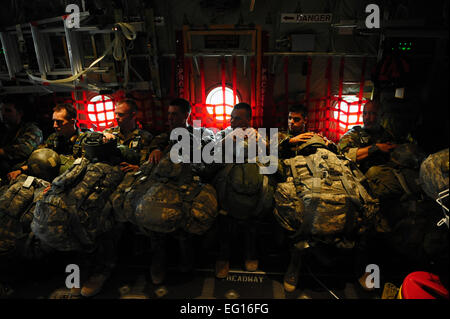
[[403, 49], [409, 48]]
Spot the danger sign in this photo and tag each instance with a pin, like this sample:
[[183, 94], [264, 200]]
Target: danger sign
[[306, 17]]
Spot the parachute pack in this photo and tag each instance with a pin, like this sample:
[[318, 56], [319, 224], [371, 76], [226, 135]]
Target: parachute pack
[[16, 207], [76, 209], [323, 196], [165, 198], [243, 192]]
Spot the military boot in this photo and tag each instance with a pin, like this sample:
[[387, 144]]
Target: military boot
[[225, 234], [293, 271], [94, 284]]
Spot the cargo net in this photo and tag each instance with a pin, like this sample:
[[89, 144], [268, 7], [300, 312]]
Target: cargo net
[[213, 108], [335, 116], [330, 115], [216, 112], [95, 111]]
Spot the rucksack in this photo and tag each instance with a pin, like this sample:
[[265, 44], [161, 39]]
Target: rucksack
[[165, 198], [324, 196], [134, 184], [77, 210], [434, 173], [244, 192], [167, 207], [16, 209], [434, 180]]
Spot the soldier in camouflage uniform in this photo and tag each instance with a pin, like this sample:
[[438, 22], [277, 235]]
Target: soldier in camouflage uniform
[[227, 225], [66, 140], [18, 139], [297, 134], [134, 142], [66, 133], [369, 145], [288, 147], [178, 114]]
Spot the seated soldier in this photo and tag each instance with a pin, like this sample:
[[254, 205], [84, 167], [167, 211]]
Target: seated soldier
[[288, 143], [240, 119], [66, 139], [178, 113], [18, 139], [18, 246], [133, 141], [369, 145], [297, 132]]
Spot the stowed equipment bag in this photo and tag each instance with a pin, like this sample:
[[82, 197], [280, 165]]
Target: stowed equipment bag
[[133, 186], [434, 173], [323, 196], [399, 178], [176, 200], [16, 205], [76, 209], [244, 192]]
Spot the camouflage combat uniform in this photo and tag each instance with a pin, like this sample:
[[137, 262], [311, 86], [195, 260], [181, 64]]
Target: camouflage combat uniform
[[137, 141], [64, 146], [18, 145], [162, 141], [359, 137], [287, 150]]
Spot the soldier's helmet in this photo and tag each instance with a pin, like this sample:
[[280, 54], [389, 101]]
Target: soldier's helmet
[[407, 155], [44, 163], [98, 150]]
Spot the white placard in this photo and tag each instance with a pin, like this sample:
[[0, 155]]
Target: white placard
[[306, 17]]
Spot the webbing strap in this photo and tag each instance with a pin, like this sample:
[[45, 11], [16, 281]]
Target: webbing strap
[[309, 210], [317, 180], [264, 193], [350, 191], [402, 181], [294, 172]]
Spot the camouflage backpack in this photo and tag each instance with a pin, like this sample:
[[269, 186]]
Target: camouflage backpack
[[176, 200], [76, 209], [434, 173], [124, 199], [399, 178], [323, 197], [243, 192], [16, 209], [434, 180]]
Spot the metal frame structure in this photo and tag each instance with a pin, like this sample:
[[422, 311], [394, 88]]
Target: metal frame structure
[[14, 48]]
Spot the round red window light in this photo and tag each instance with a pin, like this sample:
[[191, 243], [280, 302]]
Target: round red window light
[[101, 111], [215, 100]]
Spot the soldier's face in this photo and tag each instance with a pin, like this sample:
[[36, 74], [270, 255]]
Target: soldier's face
[[124, 116], [10, 115], [296, 122], [62, 125], [239, 119], [176, 117], [370, 115]]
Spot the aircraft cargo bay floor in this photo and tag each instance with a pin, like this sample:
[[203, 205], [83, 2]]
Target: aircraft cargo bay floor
[[135, 283], [325, 276]]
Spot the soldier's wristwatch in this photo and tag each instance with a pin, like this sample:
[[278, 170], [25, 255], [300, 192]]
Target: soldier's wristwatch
[[373, 149]]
